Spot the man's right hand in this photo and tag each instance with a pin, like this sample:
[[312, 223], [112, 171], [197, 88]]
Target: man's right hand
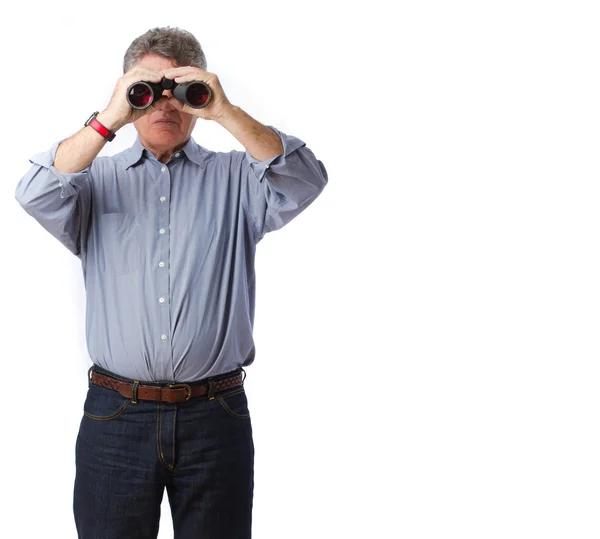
[[119, 112]]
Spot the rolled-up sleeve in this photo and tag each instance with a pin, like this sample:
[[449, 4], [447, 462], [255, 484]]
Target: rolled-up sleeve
[[60, 202], [280, 188]]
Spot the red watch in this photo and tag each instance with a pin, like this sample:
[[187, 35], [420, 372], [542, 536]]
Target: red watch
[[95, 124]]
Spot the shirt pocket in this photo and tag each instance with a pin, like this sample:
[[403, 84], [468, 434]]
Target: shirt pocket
[[121, 242]]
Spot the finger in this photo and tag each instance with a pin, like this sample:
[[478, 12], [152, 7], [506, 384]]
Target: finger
[[183, 71], [189, 78], [146, 75], [156, 76], [140, 70], [178, 70]]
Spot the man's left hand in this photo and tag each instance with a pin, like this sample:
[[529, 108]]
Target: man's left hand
[[219, 104]]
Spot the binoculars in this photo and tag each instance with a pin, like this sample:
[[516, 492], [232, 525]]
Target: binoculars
[[196, 94]]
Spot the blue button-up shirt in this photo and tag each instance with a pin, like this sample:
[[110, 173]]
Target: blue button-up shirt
[[167, 250]]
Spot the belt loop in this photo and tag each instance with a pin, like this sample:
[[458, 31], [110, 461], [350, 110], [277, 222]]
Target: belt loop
[[134, 391], [244, 375], [89, 377], [211, 389]]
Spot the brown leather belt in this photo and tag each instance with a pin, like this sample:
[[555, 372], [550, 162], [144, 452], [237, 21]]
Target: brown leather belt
[[167, 392]]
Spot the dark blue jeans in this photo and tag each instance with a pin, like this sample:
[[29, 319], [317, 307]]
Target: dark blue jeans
[[201, 450]]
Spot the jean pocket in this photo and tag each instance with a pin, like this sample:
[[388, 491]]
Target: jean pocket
[[103, 404], [120, 242], [234, 402]]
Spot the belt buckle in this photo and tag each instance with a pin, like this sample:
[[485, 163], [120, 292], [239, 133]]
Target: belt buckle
[[179, 386]]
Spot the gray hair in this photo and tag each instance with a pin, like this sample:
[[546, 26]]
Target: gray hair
[[173, 43]]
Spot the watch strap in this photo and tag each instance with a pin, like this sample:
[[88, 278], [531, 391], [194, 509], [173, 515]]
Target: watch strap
[[97, 126]]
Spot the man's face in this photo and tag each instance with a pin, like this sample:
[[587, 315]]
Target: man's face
[[167, 129]]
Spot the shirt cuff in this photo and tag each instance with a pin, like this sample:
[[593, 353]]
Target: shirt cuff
[[45, 159], [290, 145]]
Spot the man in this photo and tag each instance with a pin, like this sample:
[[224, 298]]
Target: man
[[166, 232]]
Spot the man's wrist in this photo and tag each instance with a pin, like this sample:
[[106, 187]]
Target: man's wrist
[[225, 117], [109, 121]]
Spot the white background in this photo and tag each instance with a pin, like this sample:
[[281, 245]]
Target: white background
[[434, 313]]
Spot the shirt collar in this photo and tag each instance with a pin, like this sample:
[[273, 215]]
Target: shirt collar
[[193, 151]]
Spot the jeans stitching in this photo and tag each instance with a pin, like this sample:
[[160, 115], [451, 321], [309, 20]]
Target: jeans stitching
[[106, 417], [158, 438], [174, 427], [158, 431], [231, 393], [228, 409]]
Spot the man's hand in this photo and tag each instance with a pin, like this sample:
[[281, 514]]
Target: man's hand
[[119, 112], [219, 104]]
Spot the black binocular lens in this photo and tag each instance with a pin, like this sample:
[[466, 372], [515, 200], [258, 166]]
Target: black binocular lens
[[196, 94], [140, 95]]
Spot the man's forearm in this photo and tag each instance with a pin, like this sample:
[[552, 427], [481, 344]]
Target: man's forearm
[[260, 141], [79, 150]]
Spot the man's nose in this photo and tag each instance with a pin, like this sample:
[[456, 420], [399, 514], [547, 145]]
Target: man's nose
[[167, 99]]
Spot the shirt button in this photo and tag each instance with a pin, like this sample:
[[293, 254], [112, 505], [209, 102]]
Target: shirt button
[[162, 199], [161, 264], [162, 230], [176, 155], [163, 337], [162, 300], [163, 169]]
